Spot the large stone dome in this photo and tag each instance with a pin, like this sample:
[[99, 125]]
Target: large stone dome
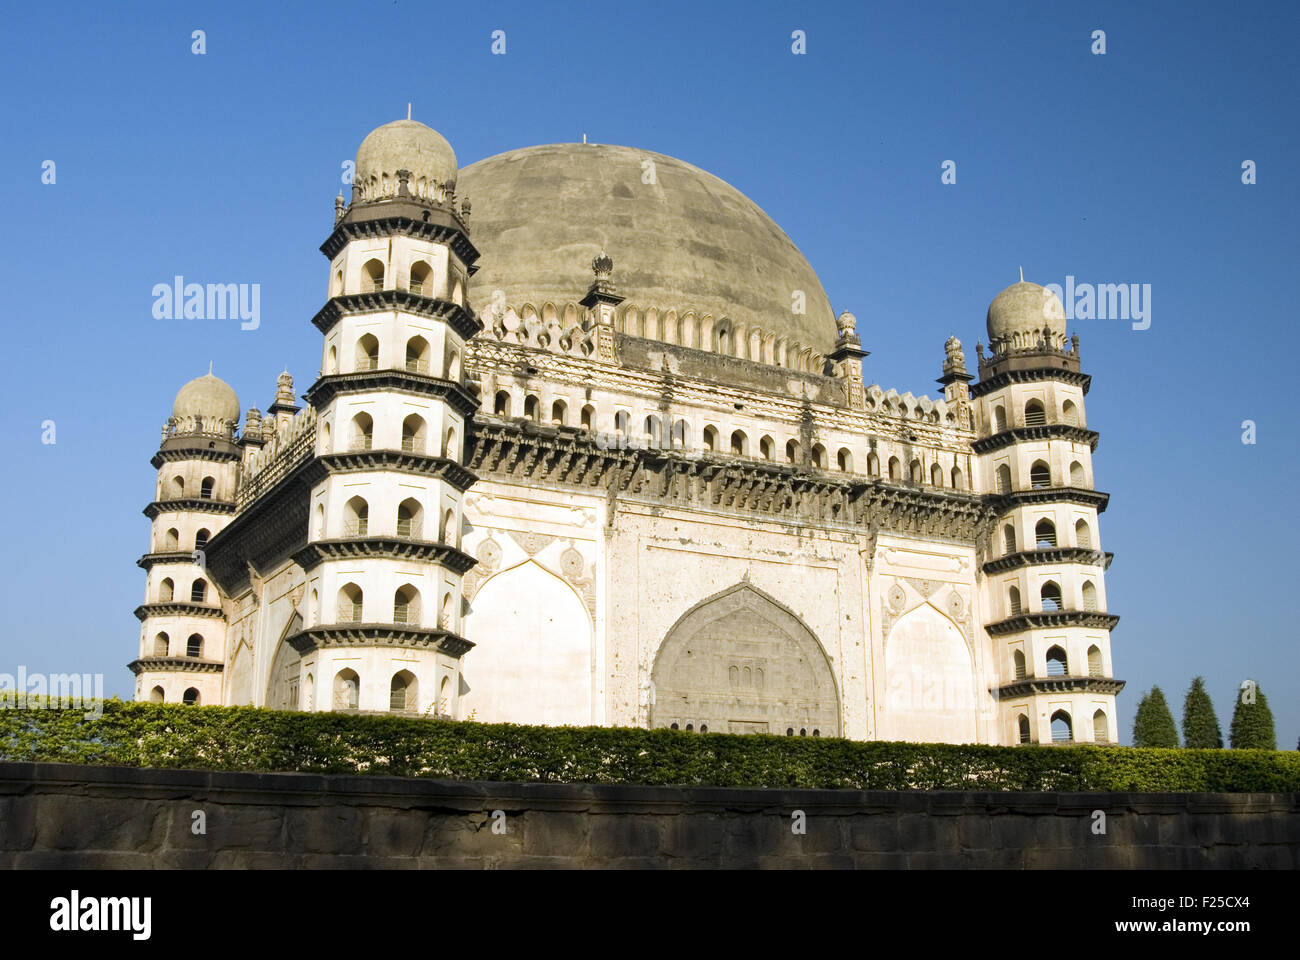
[[403, 145], [686, 241], [207, 396], [1025, 308]]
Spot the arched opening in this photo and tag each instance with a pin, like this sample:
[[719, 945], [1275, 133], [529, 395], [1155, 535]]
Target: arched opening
[[588, 417], [999, 419], [895, 469], [347, 690], [914, 471], [873, 465], [156, 695], [332, 360], [1089, 595], [450, 445], [936, 475], [444, 614], [350, 603], [453, 365], [1057, 663], [958, 481], [819, 456], [320, 521], [1040, 475], [417, 355], [336, 284], [1044, 534], [1018, 659], [172, 541], [421, 274], [622, 422], [1023, 724], [199, 591], [356, 518], [1008, 539], [1051, 595], [654, 431], [201, 538], [160, 645], [449, 533], [367, 353], [1100, 728], [177, 488], [844, 460], [363, 432], [1095, 668], [1083, 535], [444, 696], [1034, 414], [792, 451], [372, 276], [1062, 731], [205, 488], [166, 590], [413, 430], [194, 646], [501, 405], [560, 413], [1013, 601], [190, 697], [532, 408], [1070, 413], [402, 691], [406, 605], [739, 443], [1077, 476], [681, 435], [1004, 478], [325, 437], [711, 439]]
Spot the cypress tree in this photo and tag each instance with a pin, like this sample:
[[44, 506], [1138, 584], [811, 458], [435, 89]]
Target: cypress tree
[[1252, 722], [1200, 724], [1153, 726]]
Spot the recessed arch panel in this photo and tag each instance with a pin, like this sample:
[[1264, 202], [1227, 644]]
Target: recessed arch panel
[[929, 694]]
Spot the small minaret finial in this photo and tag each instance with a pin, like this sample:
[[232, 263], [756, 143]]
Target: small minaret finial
[[209, 368], [408, 110], [1022, 274]]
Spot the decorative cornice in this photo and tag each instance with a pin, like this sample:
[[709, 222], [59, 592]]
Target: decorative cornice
[[332, 385], [180, 664], [379, 635], [1049, 431], [188, 505], [398, 461], [395, 548], [437, 223], [1029, 686], [1053, 555], [175, 455], [453, 314], [177, 608], [1034, 375], [1003, 502], [1049, 619], [175, 556]]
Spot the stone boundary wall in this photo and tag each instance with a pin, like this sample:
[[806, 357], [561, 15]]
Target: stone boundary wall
[[65, 815]]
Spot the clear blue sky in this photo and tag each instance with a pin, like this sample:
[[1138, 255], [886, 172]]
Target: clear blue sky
[[1117, 168]]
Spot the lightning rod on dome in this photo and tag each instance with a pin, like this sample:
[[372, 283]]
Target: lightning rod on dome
[[1022, 274], [408, 110]]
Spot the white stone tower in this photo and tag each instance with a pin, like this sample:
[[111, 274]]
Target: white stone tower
[[1044, 589], [182, 637], [383, 559]]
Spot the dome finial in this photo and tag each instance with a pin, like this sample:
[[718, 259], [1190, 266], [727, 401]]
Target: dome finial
[[1022, 274], [209, 368], [408, 109]]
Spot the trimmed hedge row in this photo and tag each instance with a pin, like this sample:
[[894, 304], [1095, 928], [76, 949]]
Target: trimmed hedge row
[[254, 739]]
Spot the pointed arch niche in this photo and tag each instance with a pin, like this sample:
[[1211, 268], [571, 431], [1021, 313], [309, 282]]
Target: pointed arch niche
[[929, 692], [532, 660], [783, 677]]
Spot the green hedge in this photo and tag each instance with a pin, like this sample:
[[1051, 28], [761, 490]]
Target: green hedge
[[249, 738]]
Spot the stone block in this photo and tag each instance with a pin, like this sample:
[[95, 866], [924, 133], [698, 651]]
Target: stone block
[[327, 829], [616, 837], [393, 833], [17, 822], [470, 835], [694, 835], [97, 823], [556, 834], [874, 833]]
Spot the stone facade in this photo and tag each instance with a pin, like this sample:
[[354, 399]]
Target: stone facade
[[574, 465], [68, 816]]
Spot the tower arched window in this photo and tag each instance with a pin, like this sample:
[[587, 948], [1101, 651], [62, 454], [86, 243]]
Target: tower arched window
[[449, 534], [622, 422], [1095, 666], [653, 431], [201, 538], [356, 517], [453, 365], [936, 475], [1023, 728], [1062, 729], [406, 605], [532, 408], [1004, 478], [1083, 535], [819, 456], [410, 517], [739, 443], [347, 690], [421, 274], [450, 445], [1013, 601], [588, 417], [1050, 595], [363, 432], [1040, 475], [1018, 660], [177, 487], [1070, 413], [413, 431], [194, 646], [351, 603], [958, 481], [999, 419], [191, 697], [1044, 534], [199, 591], [205, 488], [417, 355], [166, 590], [1089, 595], [1077, 477], [156, 695], [792, 451], [402, 693], [895, 469], [1009, 539], [501, 404], [367, 355], [1035, 416], [1100, 728], [1057, 663], [914, 471], [844, 460], [873, 465], [711, 439], [560, 413], [172, 541], [372, 274], [681, 435], [332, 360], [161, 644]]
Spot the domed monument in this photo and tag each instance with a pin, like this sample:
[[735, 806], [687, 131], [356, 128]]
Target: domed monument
[[589, 445]]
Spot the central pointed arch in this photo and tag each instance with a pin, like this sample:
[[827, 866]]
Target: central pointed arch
[[742, 662]]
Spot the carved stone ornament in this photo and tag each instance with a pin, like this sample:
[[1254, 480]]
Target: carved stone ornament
[[897, 597]]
